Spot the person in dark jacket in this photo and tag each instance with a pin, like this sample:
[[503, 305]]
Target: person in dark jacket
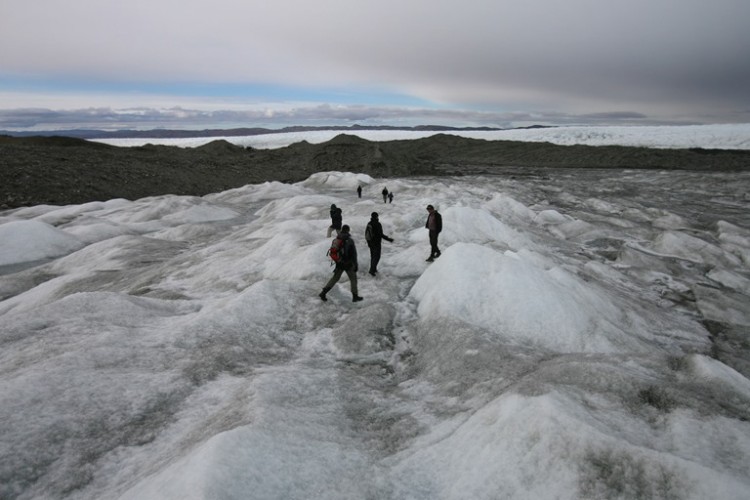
[[359, 191], [385, 194], [434, 225], [374, 236], [347, 265], [335, 220]]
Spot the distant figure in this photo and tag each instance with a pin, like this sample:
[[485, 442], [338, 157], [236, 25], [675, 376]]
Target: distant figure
[[385, 194], [374, 236], [359, 191], [390, 197], [347, 264], [434, 225], [335, 220]]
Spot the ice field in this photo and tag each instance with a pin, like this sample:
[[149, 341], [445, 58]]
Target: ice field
[[584, 334]]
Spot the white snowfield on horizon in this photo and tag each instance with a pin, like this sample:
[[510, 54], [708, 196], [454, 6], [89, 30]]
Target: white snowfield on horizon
[[582, 336], [720, 136]]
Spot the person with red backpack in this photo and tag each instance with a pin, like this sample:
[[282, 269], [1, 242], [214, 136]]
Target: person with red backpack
[[344, 253]]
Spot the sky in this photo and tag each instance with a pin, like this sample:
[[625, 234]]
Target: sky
[[175, 347], [227, 63]]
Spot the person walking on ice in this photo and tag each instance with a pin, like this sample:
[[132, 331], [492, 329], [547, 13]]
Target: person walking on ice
[[374, 236], [344, 253], [385, 194], [434, 225], [359, 191], [335, 220]]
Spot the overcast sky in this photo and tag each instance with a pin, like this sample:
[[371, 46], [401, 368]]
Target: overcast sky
[[226, 63]]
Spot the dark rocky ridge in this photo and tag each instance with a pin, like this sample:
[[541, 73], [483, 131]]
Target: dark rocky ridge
[[60, 170]]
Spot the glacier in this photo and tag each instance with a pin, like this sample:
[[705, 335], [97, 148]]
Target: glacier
[[584, 334]]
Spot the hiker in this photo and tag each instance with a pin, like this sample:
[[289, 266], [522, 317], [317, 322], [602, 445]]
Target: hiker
[[359, 191], [335, 220], [385, 194], [390, 197], [434, 225], [374, 236], [347, 264]]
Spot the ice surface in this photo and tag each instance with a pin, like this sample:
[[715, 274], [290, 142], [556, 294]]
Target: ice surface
[[23, 241], [521, 298], [572, 341]]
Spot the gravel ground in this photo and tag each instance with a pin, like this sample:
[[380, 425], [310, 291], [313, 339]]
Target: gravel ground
[[61, 171]]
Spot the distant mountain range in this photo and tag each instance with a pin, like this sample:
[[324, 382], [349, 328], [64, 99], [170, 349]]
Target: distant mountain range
[[234, 132]]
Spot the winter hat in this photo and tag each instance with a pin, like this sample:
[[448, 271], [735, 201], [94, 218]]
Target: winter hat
[[333, 206], [374, 215]]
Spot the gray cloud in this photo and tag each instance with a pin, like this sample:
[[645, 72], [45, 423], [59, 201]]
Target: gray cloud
[[666, 60], [142, 118]]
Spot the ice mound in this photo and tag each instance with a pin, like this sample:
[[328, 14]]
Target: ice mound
[[520, 301], [691, 248], [338, 180], [479, 226], [27, 241]]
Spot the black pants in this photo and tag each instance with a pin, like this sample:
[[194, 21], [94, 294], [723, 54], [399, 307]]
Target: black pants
[[374, 258], [434, 250]]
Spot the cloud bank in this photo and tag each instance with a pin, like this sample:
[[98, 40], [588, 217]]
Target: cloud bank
[[668, 61], [144, 118]]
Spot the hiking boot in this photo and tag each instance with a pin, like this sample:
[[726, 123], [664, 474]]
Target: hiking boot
[[322, 294], [430, 259], [373, 273], [356, 298], [437, 255]]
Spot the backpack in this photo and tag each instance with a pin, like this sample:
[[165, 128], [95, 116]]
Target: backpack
[[368, 232], [337, 252]]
